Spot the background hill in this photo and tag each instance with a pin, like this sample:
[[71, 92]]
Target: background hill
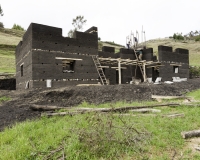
[[9, 38]]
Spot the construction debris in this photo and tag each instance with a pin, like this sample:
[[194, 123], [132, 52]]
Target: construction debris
[[174, 115], [190, 134], [146, 110]]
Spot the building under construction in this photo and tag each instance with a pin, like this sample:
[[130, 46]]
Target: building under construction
[[44, 59]]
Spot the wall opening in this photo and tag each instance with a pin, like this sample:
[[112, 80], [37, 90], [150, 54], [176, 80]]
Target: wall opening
[[22, 70], [176, 69], [68, 66]]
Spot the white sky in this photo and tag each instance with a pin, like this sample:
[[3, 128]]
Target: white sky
[[114, 18]]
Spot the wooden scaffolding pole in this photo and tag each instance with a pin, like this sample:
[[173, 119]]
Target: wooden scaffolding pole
[[119, 71], [144, 72]]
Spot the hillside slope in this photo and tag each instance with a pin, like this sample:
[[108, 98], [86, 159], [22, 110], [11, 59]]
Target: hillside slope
[[9, 38]]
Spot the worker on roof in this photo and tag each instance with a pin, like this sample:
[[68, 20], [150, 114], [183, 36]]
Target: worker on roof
[[128, 44], [136, 41]]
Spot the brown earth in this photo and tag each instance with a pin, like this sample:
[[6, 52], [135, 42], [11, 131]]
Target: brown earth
[[17, 109]]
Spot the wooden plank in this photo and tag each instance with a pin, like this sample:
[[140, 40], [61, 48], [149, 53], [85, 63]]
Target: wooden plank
[[174, 115], [70, 59], [169, 97], [190, 134], [72, 111]]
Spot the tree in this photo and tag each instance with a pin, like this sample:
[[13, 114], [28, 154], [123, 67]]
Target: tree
[[17, 27], [78, 24], [196, 32], [1, 11]]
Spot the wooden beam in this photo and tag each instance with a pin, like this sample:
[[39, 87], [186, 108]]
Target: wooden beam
[[190, 134], [119, 71], [175, 64], [118, 67], [70, 59], [144, 74]]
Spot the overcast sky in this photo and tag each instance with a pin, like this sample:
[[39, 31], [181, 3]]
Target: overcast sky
[[115, 19]]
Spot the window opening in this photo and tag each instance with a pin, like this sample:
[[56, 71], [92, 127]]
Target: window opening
[[176, 69], [68, 66], [22, 70]]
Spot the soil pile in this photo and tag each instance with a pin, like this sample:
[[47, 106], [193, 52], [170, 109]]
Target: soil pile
[[18, 110]]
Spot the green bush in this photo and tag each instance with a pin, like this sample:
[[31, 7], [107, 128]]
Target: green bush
[[194, 71], [1, 25], [197, 38], [17, 27], [178, 36]]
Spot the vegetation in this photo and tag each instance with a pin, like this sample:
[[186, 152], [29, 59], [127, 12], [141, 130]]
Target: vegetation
[[194, 71], [1, 14], [197, 38], [78, 24], [7, 57], [178, 36], [103, 136], [3, 99], [1, 11], [17, 27]]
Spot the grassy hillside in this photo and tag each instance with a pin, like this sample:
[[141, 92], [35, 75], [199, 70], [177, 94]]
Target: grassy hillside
[[8, 40]]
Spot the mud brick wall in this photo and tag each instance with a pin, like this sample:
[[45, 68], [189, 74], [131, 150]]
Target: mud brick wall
[[39, 48], [110, 74], [107, 52], [50, 38], [179, 58], [23, 58]]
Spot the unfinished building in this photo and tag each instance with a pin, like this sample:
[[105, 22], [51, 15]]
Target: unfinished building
[[44, 58]]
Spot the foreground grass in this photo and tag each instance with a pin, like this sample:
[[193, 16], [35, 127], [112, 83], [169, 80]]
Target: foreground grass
[[88, 136]]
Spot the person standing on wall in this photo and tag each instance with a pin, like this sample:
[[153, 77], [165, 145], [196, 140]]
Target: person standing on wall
[[136, 42]]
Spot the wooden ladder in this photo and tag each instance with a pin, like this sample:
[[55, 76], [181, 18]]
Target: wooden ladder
[[100, 70], [141, 67]]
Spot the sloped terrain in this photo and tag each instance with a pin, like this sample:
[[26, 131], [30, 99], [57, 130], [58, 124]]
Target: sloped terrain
[[18, 110]]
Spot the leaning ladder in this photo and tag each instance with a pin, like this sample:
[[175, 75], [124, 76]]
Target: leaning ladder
[[141, 69], [100, 70]]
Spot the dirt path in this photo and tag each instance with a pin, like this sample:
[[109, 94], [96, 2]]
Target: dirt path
[[17, 109]]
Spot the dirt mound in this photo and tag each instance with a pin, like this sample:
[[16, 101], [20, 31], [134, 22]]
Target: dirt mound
[[18, 109]]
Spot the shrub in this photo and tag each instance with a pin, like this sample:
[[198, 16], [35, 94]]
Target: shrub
[[197, 38], [17, 27], [178, 36], [194, 71], [1, 25]]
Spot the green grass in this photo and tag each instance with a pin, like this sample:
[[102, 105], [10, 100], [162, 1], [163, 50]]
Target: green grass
[[7, 56], [195, 94], [4, 98], [82, 136]]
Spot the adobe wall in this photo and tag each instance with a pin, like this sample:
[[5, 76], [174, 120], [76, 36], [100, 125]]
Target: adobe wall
[[130, 71], [38, 51], [170, 59]]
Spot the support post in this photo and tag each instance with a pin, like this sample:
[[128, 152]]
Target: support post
[[144, 72], [119, 71]]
